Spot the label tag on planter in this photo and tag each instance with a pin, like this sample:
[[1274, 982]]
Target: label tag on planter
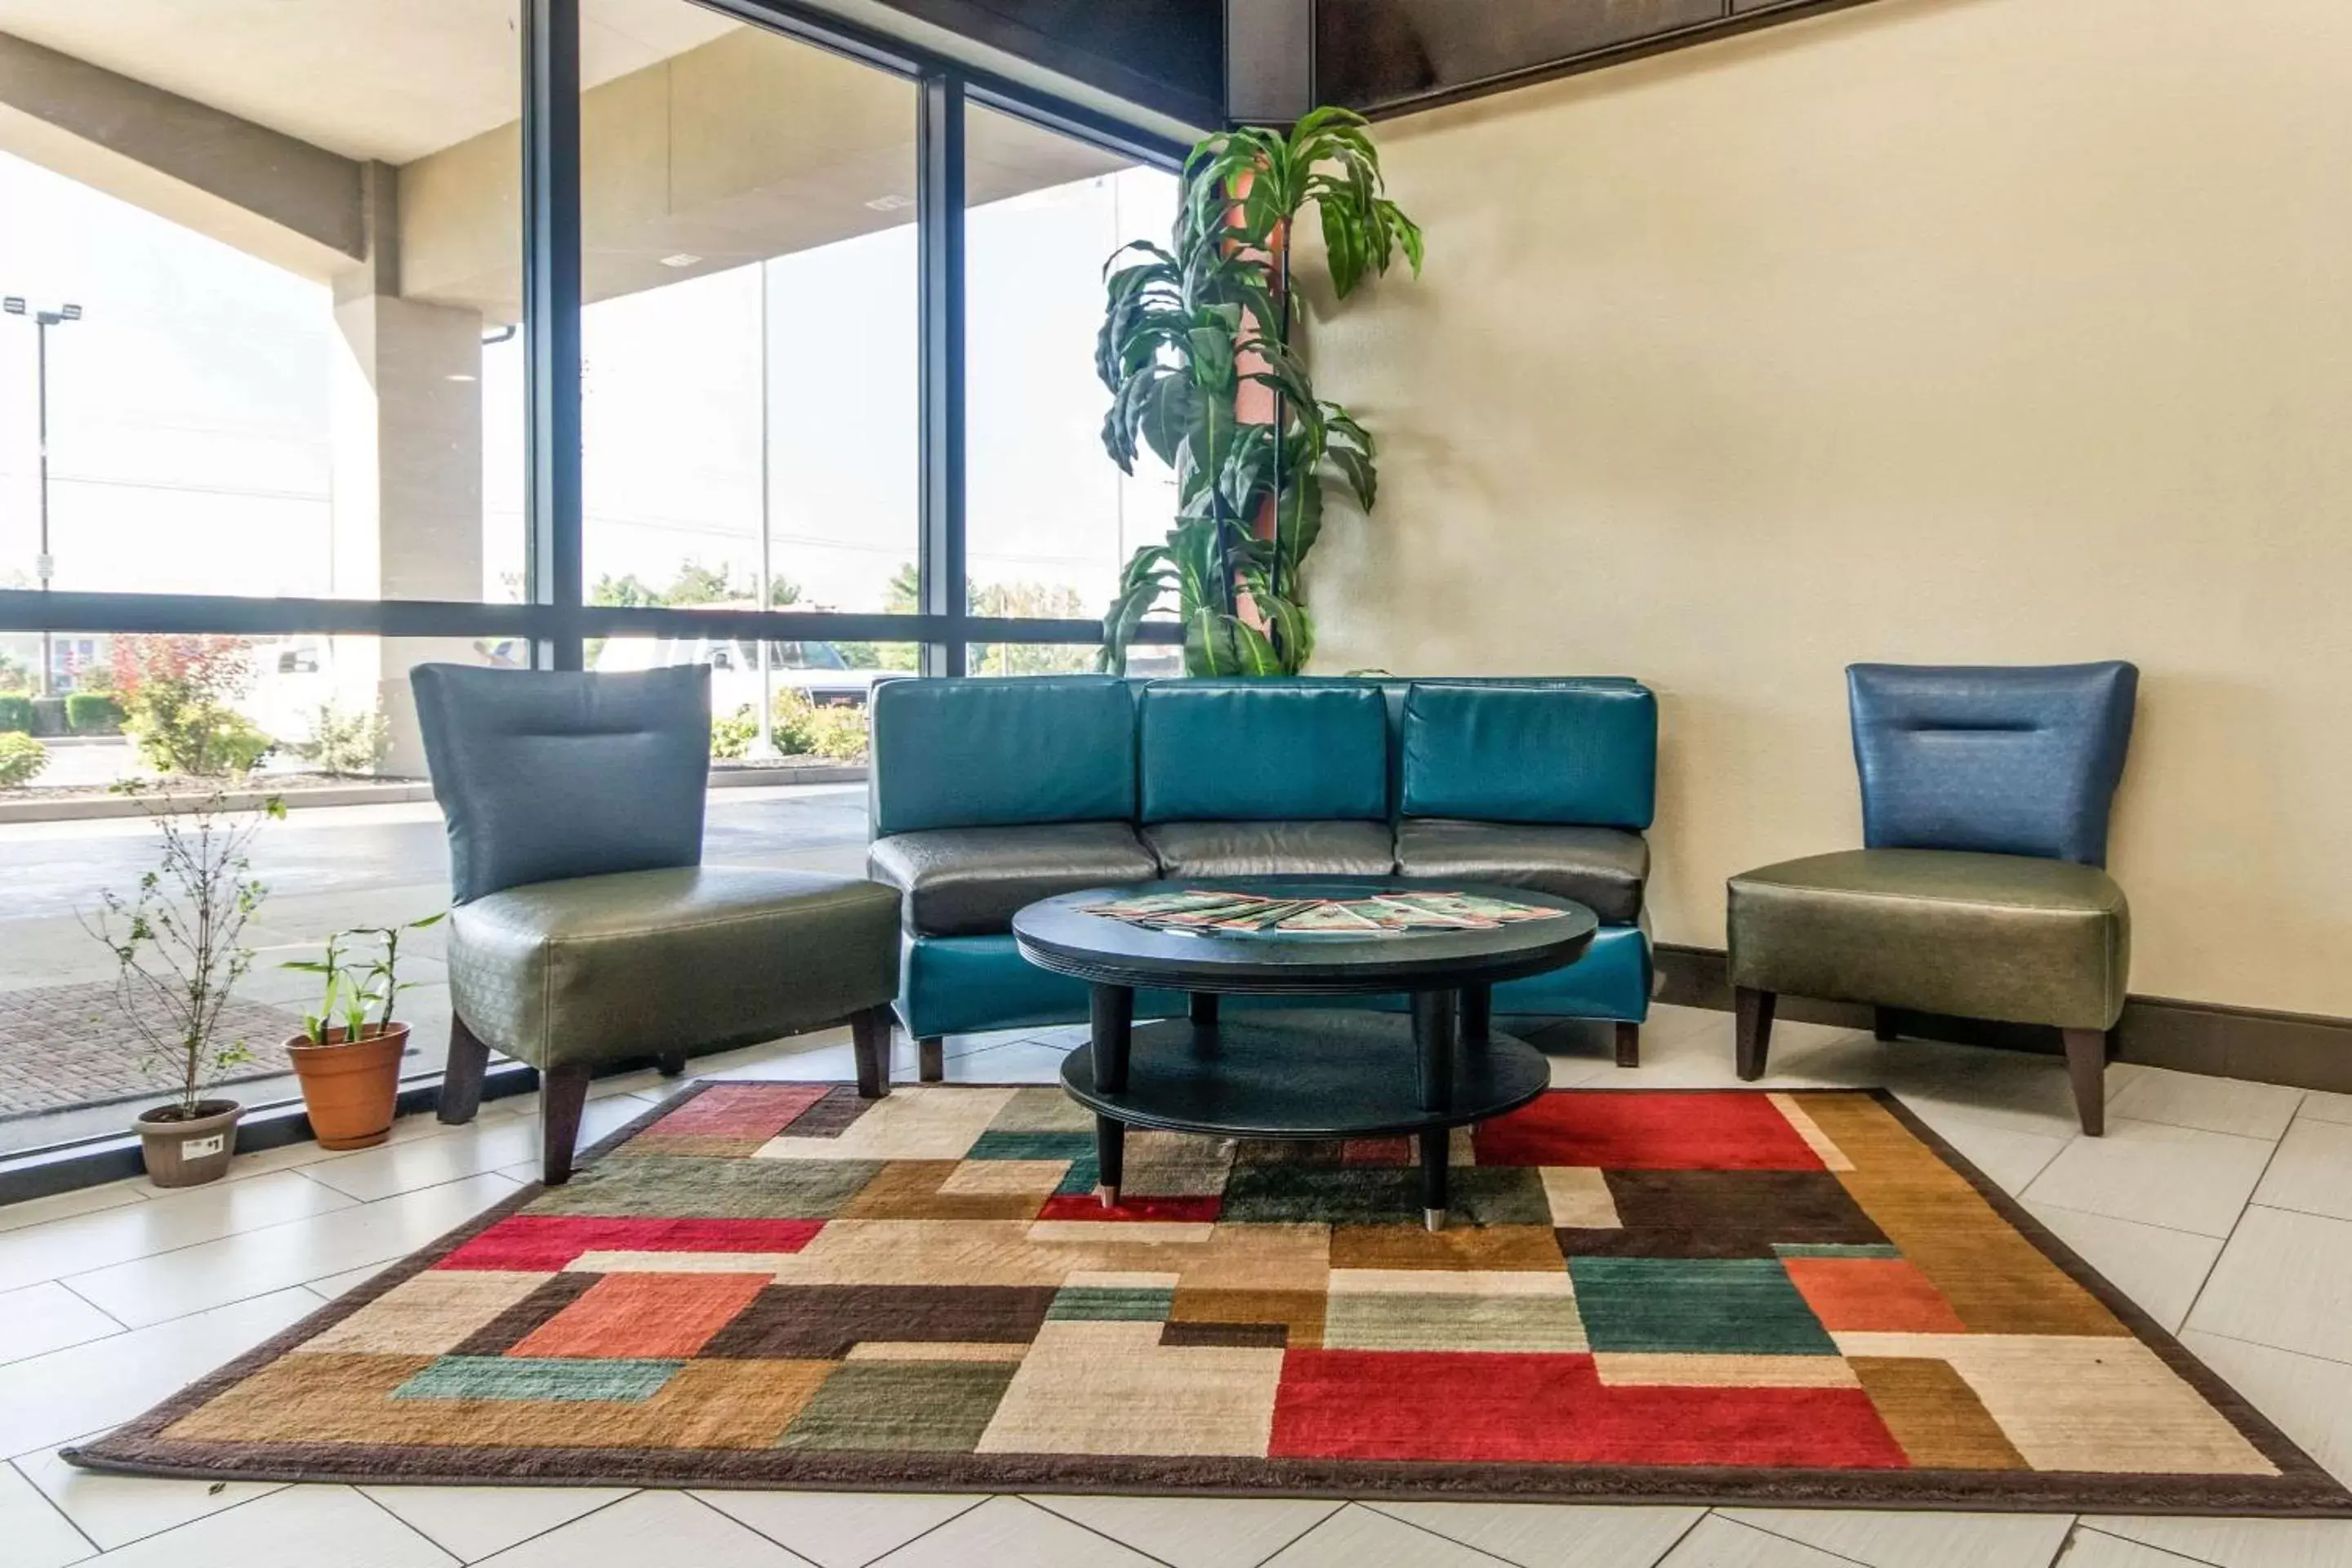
[[197, 1148]]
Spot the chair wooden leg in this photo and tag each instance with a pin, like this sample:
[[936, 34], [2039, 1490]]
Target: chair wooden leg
[[870, 1032], [1882, 1024], [563, 1095], [671, 1063], [1755, 1031], [932, 1059], [2086, 1063], [1629, 1045], [461, 1076]]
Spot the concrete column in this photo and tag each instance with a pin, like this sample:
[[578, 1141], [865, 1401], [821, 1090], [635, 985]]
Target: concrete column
[[407, 467]]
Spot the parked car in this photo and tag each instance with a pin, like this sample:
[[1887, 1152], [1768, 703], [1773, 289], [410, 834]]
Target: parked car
[[816, 669]]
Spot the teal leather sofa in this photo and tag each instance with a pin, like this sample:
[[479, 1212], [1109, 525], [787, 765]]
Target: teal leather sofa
[[988, 794]]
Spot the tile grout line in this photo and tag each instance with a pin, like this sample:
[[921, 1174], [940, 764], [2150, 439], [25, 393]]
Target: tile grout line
[[2289, 1208], [1676, 1544], [2240, 1339], [398, 1523], [2260, 1178], [2074, 1528], [303, 1284], [95, 1550], [67, 1280], [1408, 1524], [688, 1495], [270, 1489], [1808, 1545], [1065, 1518], [2163, 1551], [919, 1535], [634, 1492], [1302, 1535], [2150, 1224], [119, 1326], [166, 1251], [863, 1561]]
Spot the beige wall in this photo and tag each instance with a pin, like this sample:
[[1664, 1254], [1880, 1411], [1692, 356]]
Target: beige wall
[[1936, 330]]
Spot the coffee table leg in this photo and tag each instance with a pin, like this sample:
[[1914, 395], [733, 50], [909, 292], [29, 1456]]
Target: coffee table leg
[[1113, 1018], [1110, 1156], [1434, 1147], [1434, 1028], [1435, 1025], [1202, 1007], [1477, 1012]]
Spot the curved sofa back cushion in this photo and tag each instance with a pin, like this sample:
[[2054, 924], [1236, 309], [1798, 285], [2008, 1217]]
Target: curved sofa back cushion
[[548, 774], [1583, 751], [2004, 760], [987, 752], [1265, 751]]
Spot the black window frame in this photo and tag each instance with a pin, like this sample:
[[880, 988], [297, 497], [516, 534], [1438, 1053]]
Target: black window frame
[[554, 620], [554, 617]]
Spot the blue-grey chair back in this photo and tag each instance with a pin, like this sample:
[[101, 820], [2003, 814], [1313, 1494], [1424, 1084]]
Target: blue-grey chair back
[[2019, 759], [545, 774]]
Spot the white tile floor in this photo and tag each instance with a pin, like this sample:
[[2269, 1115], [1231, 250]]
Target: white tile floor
[[2224, 1209]]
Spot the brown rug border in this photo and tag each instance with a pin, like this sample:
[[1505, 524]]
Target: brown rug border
[[2303, 1489]]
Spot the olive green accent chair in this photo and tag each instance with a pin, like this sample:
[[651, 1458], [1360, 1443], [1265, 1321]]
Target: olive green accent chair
[[1982, 892], [586, 930]]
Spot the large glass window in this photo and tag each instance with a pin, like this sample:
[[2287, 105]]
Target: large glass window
[[264, 280], [1051, 518], [751, 400], [263, 313]]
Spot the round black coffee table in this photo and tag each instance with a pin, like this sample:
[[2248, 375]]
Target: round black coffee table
[[1319, 1074]]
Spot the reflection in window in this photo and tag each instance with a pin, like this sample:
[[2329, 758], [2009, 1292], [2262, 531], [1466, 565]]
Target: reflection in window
[[750, 398], [1052, 518], [277, 381]]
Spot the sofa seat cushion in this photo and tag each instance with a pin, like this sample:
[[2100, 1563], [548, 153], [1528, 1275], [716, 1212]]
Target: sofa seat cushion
[[696, 958], [2006, 937], [1603, 868], [970, 881], [1199, 849]]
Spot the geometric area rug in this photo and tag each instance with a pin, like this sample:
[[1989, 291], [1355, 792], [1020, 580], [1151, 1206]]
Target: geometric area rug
[[1725, 1296]]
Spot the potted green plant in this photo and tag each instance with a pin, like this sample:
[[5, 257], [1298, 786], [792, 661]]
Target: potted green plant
[[179, 952], [1187, 332], [348, 1064]]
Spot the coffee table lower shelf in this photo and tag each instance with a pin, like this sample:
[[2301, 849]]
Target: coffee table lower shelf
[[1302, 1074]]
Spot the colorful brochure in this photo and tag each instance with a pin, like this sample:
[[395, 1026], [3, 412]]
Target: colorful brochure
[[1206, 912]]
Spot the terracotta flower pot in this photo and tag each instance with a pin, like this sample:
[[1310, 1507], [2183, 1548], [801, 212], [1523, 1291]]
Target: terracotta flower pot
[[189, 1150], [350, 1087]]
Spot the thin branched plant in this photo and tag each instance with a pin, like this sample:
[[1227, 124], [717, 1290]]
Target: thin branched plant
[[178, 940]]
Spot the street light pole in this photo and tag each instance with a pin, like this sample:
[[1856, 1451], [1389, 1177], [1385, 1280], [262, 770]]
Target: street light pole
[[44, 565]]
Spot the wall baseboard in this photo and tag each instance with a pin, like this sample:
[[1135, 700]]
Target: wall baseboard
[[2301, 1051]]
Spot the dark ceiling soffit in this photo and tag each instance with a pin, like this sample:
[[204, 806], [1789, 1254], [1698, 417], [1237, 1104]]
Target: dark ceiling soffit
[[1336, 13], [1141, 52]]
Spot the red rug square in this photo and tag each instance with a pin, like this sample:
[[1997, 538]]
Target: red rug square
[[656, 1316], [739, 1110], [1554, 1409], [1872, 1295], [536, 1243], [1649, 1131]]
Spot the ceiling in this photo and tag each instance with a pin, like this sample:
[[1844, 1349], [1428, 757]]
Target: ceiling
[[389, 80]]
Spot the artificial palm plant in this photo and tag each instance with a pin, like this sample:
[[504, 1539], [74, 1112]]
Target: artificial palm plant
[[1186, 328]]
